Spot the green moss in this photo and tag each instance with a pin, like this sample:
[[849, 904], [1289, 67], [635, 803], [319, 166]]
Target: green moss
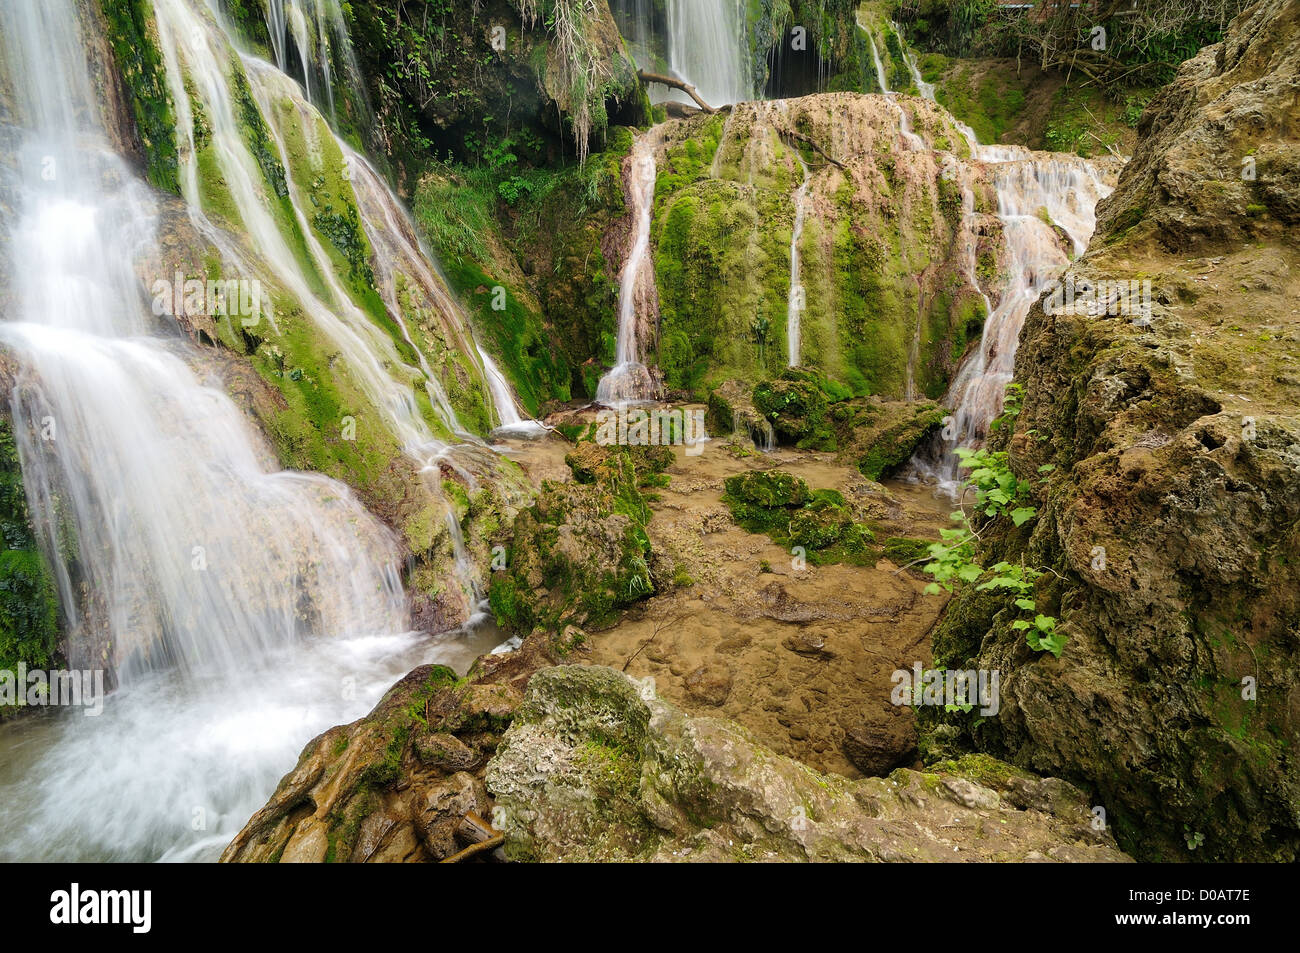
[[29, 628], [896, 445], [818, 521], [131, 35], [990, 102], [903, 550]]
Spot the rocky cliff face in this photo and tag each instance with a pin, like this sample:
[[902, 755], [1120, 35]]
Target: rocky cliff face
[[885, 239], [1171, 518]]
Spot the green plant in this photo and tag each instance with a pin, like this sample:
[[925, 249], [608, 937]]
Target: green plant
[[999, 495]]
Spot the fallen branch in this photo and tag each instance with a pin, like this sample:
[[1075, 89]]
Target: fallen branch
[[663, 624], [675, 83], [810, 143], [482, 836], [492, 843]]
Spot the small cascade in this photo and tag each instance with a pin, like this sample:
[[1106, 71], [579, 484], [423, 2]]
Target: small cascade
[[702, 42], [797, 298], [1037, 193], [316, 33], [393, 236], [630, 380], [914, 142], [509, 420], [926, 90], [759, 430]]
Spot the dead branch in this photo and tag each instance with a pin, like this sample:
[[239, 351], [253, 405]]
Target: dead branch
[[675, 83]]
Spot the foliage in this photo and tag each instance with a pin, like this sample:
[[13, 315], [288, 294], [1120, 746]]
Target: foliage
[[1142, 44], [999, 496]]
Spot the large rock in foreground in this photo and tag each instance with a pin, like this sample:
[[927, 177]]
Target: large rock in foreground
[[591, 770]]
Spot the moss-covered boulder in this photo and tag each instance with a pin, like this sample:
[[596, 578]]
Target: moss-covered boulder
[[796, 409], [820, 524], [768, 488], [818, 521], [395, 786], [595, 767], [580, 552]]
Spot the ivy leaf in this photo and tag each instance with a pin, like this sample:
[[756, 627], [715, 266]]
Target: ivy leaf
[[1029, 605], [969, 572], [1023, 515]]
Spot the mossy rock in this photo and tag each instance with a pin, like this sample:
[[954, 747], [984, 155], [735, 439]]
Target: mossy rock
[[768, 488], [796, 408], [819, 524], [895, 446]]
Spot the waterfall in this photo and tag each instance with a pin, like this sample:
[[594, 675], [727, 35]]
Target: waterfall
[[152, 494], [707, 48], [241, 610], [630, 379], [319, 36], [198, 50], [1037, 193], [394, 238], [796, 302], [703, 42]]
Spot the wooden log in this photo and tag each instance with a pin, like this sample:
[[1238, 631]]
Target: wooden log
[[800, 137], [675, 83], [480, 836]]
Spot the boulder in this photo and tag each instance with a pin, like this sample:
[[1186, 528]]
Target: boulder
[[591, 771]]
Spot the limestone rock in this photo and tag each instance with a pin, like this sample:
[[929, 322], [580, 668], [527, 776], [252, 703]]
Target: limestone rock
[[591, 771]]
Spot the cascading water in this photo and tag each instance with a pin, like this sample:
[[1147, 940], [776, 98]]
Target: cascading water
[[241, 610], [702, 42], [706, 47], [196, 47], [913, 141], [403, 259], [630, 379], [320, 38], [796, 302], [1035, 193]]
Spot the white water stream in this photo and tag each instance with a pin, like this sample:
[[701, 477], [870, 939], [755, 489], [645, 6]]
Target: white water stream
[[797, 298], [1036, 194], [630, 379], [242, 609]]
